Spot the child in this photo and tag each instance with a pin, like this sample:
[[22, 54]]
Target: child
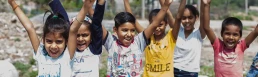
[[52, 56], [89, 46], [159, 54], [228, 52], [253, 72], [188, 45], [125, 52]]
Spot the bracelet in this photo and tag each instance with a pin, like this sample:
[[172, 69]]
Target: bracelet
[[15, 7], [78, 20]]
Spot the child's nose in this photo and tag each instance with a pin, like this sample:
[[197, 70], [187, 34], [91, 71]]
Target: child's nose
[[53, 47], [80, 38]]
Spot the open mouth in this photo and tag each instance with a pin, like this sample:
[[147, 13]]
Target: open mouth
[[128, 39], [230, 43], [82, 45], [53, 53]]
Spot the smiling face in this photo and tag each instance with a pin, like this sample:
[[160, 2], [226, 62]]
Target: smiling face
[[160, 30], [54, 44], [231, 36], [83, 37], [125, 33], [188, 20]]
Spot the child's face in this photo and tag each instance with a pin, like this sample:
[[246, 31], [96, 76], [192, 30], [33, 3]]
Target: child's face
[[161, 28], [231, 36], [83, 37], [125, 33], [54, 44], [188, 20]]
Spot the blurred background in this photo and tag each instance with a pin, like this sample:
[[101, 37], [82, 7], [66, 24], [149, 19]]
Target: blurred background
[[16, 48]]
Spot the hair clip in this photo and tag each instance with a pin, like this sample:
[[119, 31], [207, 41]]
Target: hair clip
[[55, 16]]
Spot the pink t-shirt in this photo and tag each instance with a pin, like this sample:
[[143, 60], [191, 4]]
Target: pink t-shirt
[[228, 62]]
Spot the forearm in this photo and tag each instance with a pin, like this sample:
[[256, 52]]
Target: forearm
[[127, 6], [171, 19], [79, 19], [56, 7]]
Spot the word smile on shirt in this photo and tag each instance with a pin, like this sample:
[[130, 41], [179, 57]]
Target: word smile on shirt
[[158, 67]]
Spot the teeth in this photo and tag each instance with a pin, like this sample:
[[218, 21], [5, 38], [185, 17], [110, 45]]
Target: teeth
[[128, 39]]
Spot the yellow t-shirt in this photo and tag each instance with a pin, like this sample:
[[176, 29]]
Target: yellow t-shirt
[[159, 57]]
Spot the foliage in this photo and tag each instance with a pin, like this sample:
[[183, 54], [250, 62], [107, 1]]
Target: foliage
[[207, 70], [25, 69]]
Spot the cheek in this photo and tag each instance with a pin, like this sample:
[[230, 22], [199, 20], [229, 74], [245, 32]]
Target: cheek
[[87, 39]]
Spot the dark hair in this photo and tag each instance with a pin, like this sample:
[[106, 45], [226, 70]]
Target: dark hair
[[154, 12], [124, 17], [231, 21], [193, 10], [56, 23]]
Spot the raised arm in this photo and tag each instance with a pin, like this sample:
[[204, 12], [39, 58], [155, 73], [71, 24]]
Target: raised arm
[[178, 19], [75, 26], [91, 10], [138, 27], [171, 19], [27, 24], [203, 34], [56, 7], [96, 27], [206, 24], [150, 29], [251, 37]]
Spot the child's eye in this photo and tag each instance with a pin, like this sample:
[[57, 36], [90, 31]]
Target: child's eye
[[59, 41], [235, 34], [133, 30], [191, 17], [183, 18], [124, 30], [78, 35], [49, 41], [84, 35]]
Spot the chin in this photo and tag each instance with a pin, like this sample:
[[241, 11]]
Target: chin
[[81, 49]]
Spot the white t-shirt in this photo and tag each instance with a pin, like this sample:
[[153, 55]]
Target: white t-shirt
[[85, 64], [125, 61], [50, 67], [7, 69], [188, 51]]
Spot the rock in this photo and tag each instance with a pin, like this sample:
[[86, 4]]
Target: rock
[[9, 69]]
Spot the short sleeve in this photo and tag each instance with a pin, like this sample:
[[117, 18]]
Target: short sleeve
[[243, 45], [199, 36], [170, 35], [216, 44], [141, 40], [39, 52], [108, 41]]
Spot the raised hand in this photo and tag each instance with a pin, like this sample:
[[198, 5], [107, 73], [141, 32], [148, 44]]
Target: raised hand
[[206, 1], [92, 2]]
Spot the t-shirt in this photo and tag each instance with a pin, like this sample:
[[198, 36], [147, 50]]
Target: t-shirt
[[124, 61], [52, 67], [85, 64], [228, 62], [188, 51], [159, 57]]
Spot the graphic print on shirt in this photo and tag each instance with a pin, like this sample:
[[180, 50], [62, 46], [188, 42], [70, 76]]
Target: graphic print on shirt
[[50, 70], [80, 62], [125, 63], [228, 57]]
